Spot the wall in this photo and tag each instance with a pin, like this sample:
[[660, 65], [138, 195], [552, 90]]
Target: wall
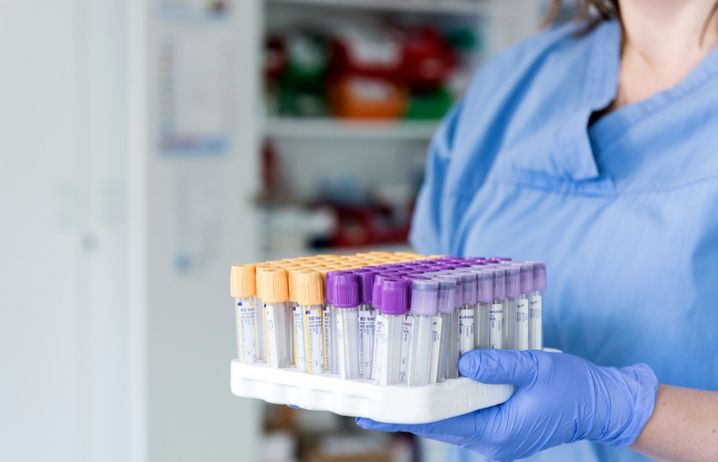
[[197, 222], [63, 241]]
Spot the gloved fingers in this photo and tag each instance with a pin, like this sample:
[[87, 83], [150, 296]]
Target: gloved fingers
[[500, 366], [452, 430]]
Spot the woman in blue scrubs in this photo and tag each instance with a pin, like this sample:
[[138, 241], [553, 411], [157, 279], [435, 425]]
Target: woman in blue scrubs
[[594, 147]]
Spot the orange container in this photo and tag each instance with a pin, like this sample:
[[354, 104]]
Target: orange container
[[366, 98]]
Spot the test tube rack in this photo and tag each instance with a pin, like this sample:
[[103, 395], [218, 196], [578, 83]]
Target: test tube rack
[[384, 403]]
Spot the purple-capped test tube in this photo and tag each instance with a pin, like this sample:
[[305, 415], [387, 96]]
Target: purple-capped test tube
[[366, 317], [496, 314], [346, 311], [395, 299], [449, 300], [424, 346], [523, 305], [536, 303], [328, 324], [467, 311], [513, 290], [484, 296]]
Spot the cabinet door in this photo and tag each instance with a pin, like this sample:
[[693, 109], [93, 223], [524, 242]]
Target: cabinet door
[[38, 233]]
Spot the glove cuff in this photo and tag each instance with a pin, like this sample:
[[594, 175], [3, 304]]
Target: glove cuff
[[642, 385]]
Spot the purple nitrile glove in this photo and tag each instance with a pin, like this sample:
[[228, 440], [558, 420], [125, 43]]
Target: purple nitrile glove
[[560, 398]]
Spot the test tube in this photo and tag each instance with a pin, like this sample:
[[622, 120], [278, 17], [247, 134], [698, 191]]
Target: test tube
[[242, 288], [310, 301], [346, 311], [425, 342], [496, 313], [523, 306], [513, 291], [467, 312], [328, 324], [274, 294], [448, 302], [394, 303], [298, 337], [536, 303], [484, 295], [367, 317]]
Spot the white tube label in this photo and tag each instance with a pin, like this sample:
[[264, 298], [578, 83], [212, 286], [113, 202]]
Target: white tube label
[[535, 328], [347, 339], [300, 359], [435, 348], [328, 326], [380, 357], [271, 331], [246, 319], [366, 342], [522, 324], [496, 326], [466, 329], [314, 331], [259, 329], [406, 331]]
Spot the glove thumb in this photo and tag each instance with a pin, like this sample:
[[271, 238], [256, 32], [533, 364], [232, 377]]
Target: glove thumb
[[499, 366]]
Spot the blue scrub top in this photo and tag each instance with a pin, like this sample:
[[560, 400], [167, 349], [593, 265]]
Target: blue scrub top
[[624, 210]]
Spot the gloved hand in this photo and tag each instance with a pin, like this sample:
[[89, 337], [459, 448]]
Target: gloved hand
[[560, 398]]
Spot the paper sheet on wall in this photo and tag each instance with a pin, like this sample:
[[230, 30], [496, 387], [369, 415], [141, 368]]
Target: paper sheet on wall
[[194, 92]]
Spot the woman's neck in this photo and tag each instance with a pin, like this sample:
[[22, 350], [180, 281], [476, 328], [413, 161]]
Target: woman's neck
[[664, 40]]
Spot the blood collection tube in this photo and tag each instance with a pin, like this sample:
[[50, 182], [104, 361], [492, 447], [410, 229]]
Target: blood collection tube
[[496, 313], [467, 311], [310, 301], [328, 324], [536, 303], [298, 331], [448, 302], [522, 306], [274, 294], [367, 317], [484, 295], [394, 303], [346, 311], [242, 285], [513, 290], [425, 343]]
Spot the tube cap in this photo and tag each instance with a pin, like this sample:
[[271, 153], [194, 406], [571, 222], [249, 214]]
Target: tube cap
[[346, 290], [527, 277], [485, 286], [292, 282], [499, 283], [539, 275], [468, 284], [424, 296], [513, 281], [395, 296], [448, 288], [308, 287], [459, 297], [366, 285], [329, 293], [272, 286], [242, 281], [376, 291]]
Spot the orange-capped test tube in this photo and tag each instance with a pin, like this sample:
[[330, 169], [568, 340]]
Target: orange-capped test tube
[[247, 314], [310, 299], [273, 291]]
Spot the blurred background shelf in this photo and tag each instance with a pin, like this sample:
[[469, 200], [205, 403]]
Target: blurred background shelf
[[412, 6], [318, 128]]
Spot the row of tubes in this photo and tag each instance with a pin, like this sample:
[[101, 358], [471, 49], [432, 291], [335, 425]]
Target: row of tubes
[[390, 318]]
